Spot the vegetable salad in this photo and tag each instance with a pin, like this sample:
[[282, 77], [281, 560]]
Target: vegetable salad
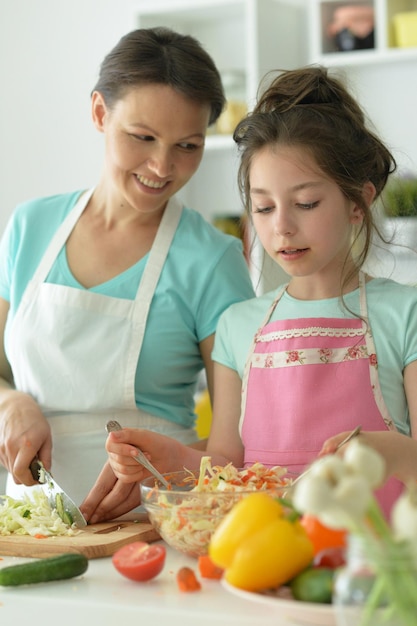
[[31, 515], [187, 519]]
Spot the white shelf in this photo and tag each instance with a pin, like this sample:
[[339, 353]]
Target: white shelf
[[323, 48], [366, 57]]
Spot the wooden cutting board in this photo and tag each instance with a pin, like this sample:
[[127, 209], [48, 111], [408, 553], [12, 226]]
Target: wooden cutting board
[[95, 541]]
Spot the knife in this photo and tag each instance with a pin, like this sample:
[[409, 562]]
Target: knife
[[67, 510]]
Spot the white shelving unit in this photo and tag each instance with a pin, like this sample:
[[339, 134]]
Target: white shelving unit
[[241, 35], [259, 36], [249, 36], [323, 49], [384, 79]]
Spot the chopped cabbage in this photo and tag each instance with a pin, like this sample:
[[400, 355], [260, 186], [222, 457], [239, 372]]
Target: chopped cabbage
[[31, 515]]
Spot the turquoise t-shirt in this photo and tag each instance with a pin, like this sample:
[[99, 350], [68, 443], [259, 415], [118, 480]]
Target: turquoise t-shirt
[[392, 311], [205, 272]]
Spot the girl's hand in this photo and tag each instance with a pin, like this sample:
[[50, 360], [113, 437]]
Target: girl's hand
[[165, 453], [399, 451]]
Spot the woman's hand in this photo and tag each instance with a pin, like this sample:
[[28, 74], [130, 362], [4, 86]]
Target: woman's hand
[[24, 434], [109, 498]]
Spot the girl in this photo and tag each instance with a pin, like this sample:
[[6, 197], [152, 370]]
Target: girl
[[333, 348]]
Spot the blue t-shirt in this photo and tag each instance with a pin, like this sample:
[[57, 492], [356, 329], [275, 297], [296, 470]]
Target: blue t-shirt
[[204, 273], [392, 313]]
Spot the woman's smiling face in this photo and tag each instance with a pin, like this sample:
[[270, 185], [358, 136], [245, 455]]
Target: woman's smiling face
[[302, 218], [154, 143]]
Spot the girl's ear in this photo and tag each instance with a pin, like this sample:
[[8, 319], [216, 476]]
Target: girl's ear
[[98, 110], [369, 193]]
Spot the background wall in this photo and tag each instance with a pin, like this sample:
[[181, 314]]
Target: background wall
[[50, 52]]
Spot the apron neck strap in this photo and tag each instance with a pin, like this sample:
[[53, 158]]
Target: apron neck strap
[[60, 237]]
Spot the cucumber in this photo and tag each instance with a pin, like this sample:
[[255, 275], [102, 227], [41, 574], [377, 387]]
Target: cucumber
[[313, 585], [63, 513], [44, 570]]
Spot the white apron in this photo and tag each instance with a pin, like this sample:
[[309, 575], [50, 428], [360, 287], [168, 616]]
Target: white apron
[[92, 342]]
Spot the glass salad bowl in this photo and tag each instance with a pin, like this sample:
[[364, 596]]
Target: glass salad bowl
[[187, 514]]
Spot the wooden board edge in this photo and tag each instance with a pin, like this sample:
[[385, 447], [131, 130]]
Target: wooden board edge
[[31, 550]]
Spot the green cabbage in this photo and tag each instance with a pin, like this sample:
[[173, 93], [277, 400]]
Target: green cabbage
[[31, 515]]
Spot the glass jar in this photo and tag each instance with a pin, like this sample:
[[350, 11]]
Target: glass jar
[[378, 585]]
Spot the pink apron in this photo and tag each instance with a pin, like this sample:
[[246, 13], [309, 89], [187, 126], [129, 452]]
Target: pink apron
[[309, 379]]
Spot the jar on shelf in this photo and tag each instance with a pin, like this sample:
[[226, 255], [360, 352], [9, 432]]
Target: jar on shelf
[[234, 84], [352, 27], [377, 586]]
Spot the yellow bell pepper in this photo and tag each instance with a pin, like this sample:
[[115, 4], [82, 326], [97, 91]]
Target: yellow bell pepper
[[246, 517], [258, 546]]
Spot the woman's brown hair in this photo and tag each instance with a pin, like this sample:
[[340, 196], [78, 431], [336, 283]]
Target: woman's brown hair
[[161, 56]]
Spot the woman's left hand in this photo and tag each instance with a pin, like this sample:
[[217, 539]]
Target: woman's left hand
[[109, 498]]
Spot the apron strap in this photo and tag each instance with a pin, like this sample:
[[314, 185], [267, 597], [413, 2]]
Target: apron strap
[[60, 237], [370, 347], [147, 286], [245, 375]]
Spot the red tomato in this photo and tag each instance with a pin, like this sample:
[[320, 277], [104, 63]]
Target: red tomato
[[139, 561], [330, 557]]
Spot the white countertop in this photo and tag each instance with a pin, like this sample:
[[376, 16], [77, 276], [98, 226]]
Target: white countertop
[[103, 597]]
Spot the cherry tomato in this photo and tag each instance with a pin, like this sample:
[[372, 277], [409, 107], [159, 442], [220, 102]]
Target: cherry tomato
[[330, 557], [321, 536], [139, 561]]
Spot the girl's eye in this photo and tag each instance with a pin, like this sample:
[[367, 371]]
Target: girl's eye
[[266, 209], [189, 147], [307, 205]]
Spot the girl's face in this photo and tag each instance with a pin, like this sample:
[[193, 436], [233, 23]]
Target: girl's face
[[154, 143], [302, 218]]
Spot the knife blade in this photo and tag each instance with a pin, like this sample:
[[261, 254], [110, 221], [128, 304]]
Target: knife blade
[[67, 510]]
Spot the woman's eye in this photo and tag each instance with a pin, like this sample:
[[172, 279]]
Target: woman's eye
[[142, 137], [307, 205]]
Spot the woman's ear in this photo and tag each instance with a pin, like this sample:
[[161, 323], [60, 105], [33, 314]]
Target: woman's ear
[[98, 110]]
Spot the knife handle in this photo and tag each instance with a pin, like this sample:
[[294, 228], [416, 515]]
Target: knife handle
[[35, 467]]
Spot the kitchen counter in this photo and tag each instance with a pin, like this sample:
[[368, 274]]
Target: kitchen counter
[[103, 597]]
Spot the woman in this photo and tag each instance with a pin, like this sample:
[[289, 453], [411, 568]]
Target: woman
[[109, 298], [297, 366]]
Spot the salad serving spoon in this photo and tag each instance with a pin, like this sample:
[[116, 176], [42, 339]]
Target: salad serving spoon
[[355, 432], [112, 426]]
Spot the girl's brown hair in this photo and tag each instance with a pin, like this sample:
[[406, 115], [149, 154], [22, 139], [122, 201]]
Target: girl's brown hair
[[309, 108]]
